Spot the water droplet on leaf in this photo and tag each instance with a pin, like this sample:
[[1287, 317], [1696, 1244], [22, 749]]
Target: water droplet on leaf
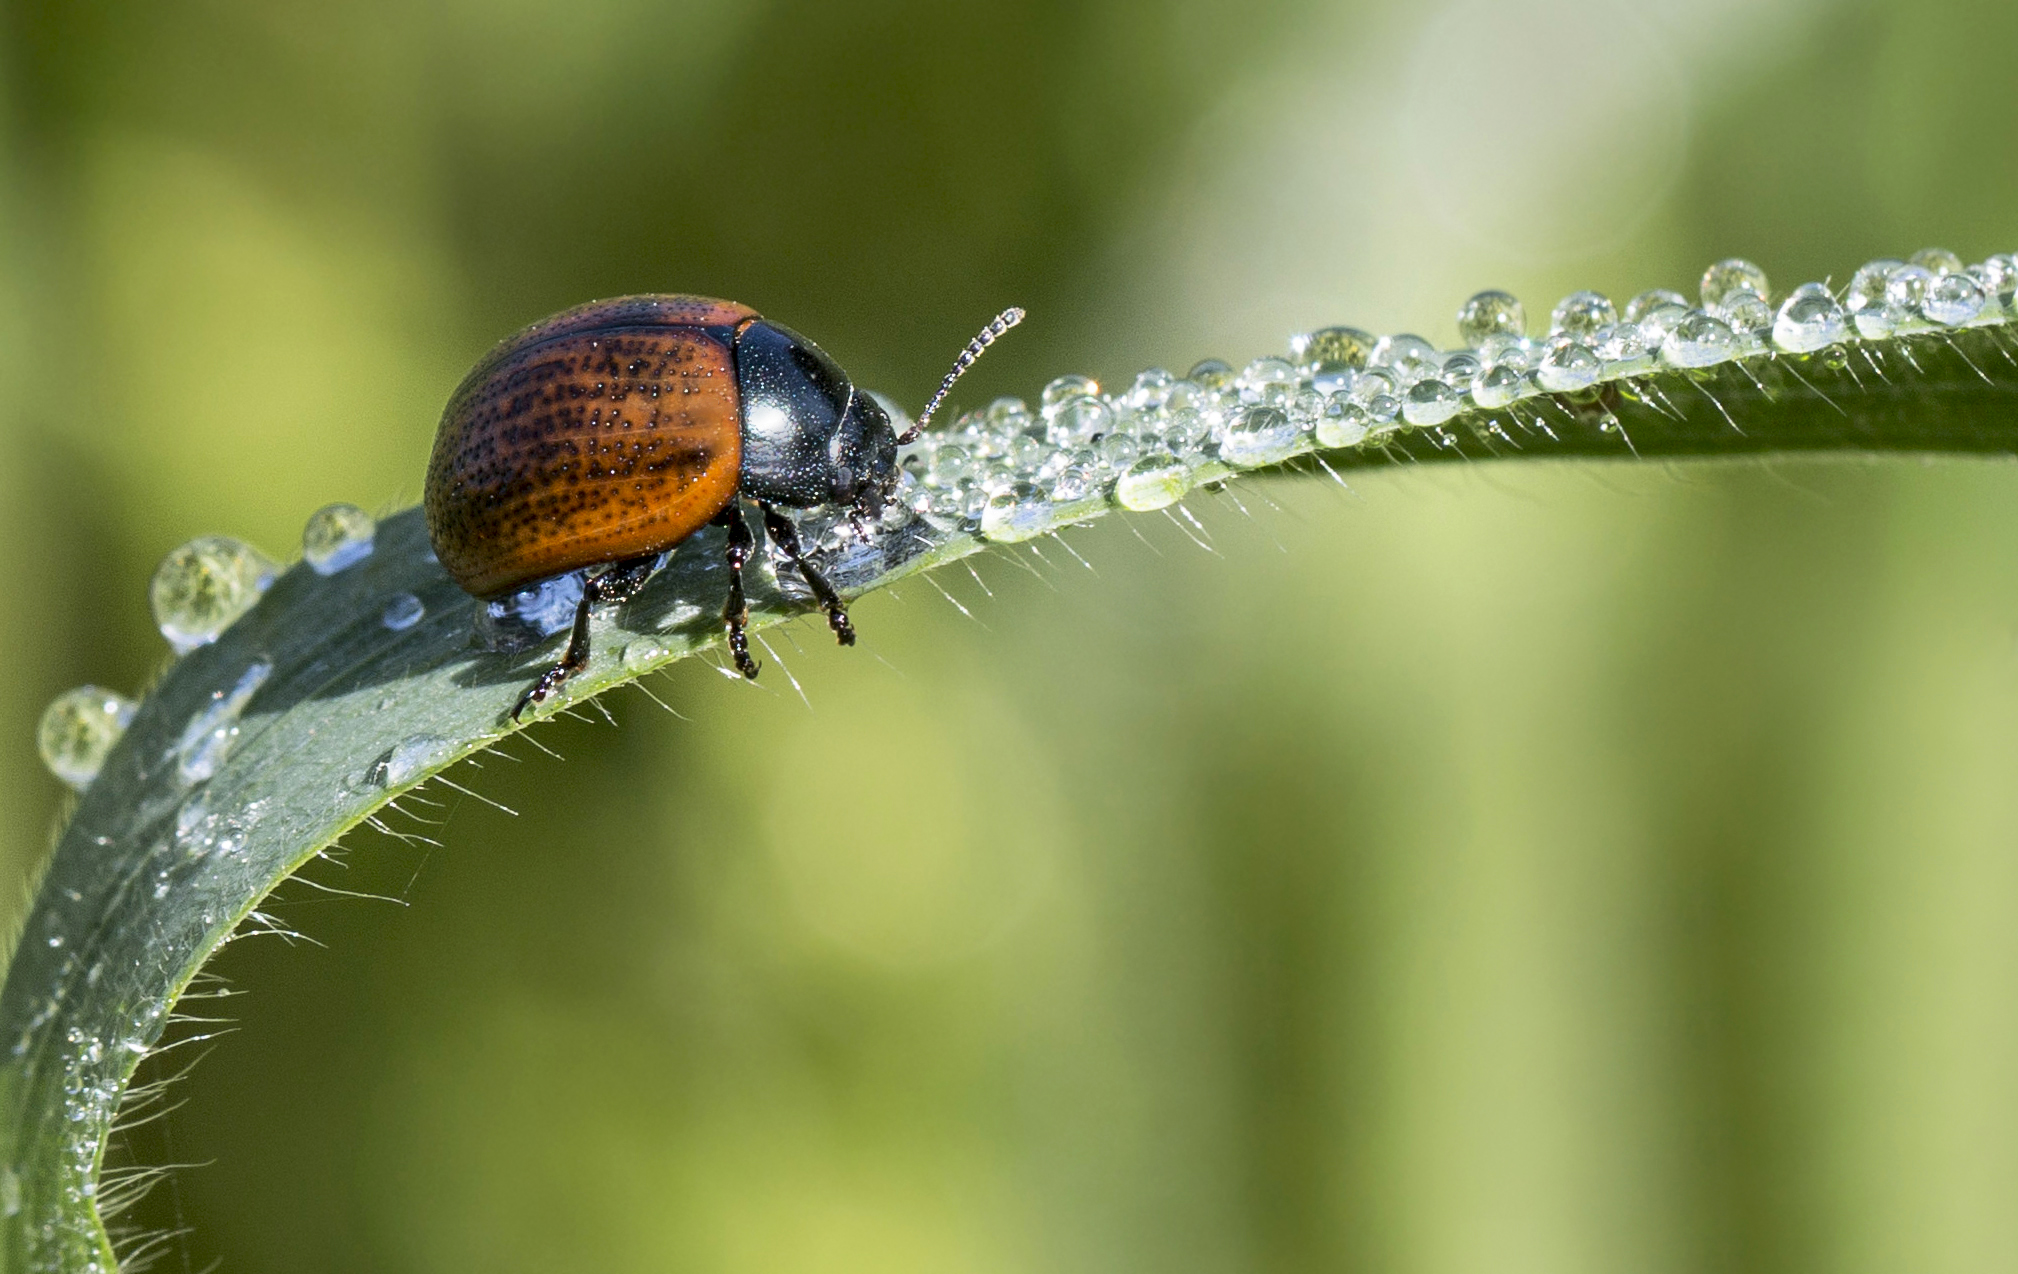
[[402, 612], [1490, 314], [78, 730], [336, 536], [202, 586], [1153, 482]]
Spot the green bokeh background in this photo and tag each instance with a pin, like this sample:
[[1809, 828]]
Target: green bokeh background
[[1553, 869]]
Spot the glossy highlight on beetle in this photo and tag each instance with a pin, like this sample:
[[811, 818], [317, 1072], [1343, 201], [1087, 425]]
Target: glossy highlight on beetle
[[610, 433]]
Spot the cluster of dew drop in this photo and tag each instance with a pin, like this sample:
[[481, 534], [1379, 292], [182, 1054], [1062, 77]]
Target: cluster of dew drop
[[199, 589], [1010, 472]]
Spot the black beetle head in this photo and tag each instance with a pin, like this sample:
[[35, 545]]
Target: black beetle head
[[864, 455]]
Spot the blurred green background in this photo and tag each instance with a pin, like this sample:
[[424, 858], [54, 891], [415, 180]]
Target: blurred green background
[[1552, 869]]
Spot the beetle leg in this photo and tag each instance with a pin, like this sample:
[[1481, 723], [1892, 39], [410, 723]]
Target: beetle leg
[[736, 613], [616, 584], [786, 537]]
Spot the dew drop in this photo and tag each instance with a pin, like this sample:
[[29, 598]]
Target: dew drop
[[1149, 390], [1746, 314], [412, 757], [1343, 424], [1999, 277], [1079, 421], [1073, 483], [1268, 381], [1066, 388], [1430, 402], [1118, 451], [531, 615], [1809, 320], [1867, 285], [1021, 512], [645, 652], [1656, 323], [402, 612], [1623, 344], [1724, 281], [1496, 386], [1568, 366], [1009, 415], [202, 586], [1582, 314], [1938, 262], [1259, 436], [1211, 373], [1340, 347], [1653, 299], [1877, 319], [1405, 357], [213, 732], [1953, 299], [1698, 341], [336, 536], [1459, 367], [78, 730], [1490, 314], [1153, 482], [1907, 287]]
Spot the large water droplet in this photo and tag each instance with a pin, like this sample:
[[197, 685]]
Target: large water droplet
[[1582, 314], [1430, 402], [1490, 314], [402, 612], [1077, 421], [1345, 347], [1568, 366], [1698, 341], [213, 732], [531, 615], [1810, 320], [78, 729], [1152, 482], [336, 536], [1259, 436], [1723, 282], [1496, 386], [1020, 513], [201, 587], [1953, 299]]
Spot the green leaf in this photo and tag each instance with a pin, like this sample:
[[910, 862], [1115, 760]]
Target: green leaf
[[319, 715]]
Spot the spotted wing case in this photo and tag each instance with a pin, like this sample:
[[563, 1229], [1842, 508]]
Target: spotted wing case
[[608, 431]]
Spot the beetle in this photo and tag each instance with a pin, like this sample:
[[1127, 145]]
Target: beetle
[[605, 435]]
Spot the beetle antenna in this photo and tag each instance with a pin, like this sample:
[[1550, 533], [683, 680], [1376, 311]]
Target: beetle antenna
[[989, 335]]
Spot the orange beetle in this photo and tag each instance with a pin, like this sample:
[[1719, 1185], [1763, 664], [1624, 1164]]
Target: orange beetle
[[607, 434]]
